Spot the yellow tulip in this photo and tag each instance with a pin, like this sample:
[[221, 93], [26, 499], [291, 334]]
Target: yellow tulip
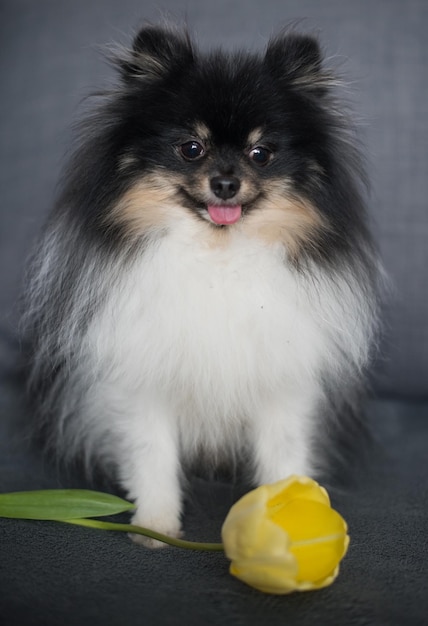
[[285, 537]]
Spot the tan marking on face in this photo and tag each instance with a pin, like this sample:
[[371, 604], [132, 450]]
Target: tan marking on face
[[285, 219], [255, 137], [151, 206], [148, 205], [202, 131]]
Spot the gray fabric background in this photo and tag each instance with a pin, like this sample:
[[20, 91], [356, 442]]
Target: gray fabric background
[[50, 59]]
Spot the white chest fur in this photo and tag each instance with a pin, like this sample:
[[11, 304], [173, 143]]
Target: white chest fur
[[213, 331], [221, 348]]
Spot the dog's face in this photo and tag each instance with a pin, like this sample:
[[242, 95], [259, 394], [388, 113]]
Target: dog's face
[[219, 180], [236, 142]]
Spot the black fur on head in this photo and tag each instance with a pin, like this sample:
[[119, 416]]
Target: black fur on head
[[169, 91]]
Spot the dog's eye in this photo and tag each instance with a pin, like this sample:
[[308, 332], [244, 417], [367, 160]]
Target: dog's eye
[[260, 155], [192, 150]]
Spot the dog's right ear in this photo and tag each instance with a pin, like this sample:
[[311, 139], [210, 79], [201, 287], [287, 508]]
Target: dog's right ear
[[156, 52]]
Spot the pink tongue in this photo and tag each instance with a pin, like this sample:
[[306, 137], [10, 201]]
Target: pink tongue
[[225, 214]]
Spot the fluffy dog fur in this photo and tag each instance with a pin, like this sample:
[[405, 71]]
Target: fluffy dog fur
[[206, 285]]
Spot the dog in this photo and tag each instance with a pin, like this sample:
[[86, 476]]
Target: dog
[[206, 286]]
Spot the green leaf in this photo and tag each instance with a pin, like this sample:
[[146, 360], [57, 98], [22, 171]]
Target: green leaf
[[60, 504]]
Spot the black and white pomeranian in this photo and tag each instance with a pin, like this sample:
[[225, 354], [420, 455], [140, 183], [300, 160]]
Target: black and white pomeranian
[[206, 285]]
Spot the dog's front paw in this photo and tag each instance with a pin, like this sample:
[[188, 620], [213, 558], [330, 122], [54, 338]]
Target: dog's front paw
[[160, 524]]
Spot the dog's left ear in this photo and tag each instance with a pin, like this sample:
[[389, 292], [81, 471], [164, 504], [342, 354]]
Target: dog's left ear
[[155, 52], [297, 59]]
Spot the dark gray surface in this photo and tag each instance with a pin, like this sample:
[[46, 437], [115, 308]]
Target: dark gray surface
[[53, 574], [50, 60]]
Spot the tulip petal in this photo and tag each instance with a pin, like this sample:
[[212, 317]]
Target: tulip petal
[[296, 487], [267, 576], [317, 536]]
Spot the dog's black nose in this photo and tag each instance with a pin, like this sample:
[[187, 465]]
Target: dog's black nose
[[225, 187]]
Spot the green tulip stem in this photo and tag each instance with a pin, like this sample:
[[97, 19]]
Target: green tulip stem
[[130, 528]]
